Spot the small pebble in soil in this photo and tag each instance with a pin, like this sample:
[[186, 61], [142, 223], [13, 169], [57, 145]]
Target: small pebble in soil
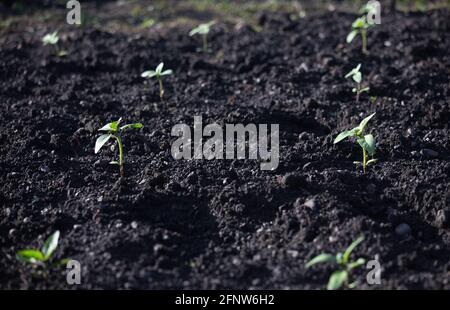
[[429, 153], [76, 226], [443, 218], [310, 203], [26, 220], [12, 232], [403, 230], [134, 224], [292, 180], [44, 168]]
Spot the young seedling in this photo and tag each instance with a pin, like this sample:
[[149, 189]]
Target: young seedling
[[158, 73], [356, 75], [203, 29], [341, 276], [42, 256], [53, 39], [360, 26], [114, 131], [367, 142]]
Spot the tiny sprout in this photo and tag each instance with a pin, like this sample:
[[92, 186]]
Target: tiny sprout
[[367, 142], [360, 26], [356, 75], [114, 131], [340, 277], [50, 38], [40, 257], [158, 73], [203, 29], [53, 39]]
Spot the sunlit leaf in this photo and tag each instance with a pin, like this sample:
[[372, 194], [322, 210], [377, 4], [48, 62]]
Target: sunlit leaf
[[322, 258], [101, 141], [50, 245], [337, 279]]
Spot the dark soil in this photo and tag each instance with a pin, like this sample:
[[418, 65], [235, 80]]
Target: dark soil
[[222, 223]]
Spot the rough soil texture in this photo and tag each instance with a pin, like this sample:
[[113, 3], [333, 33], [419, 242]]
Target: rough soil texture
[[222, 223]]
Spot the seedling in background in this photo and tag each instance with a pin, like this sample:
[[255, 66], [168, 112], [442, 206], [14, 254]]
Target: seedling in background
[[340, 277], [356, 75], [53, 39], [158, 73], [367, 142], [360, 26], [203, 30], [114, 131], [42, 256]]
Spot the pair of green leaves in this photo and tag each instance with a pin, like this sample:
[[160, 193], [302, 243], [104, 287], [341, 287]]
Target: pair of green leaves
[[359, 24], [112, 129], [367, 142], [202, 29], [35, 256], [50, 38], [355, 74], [339, 277], [158, 72]]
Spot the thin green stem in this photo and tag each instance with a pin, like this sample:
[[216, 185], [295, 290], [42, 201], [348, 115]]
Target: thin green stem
[[364, 160], [121, 157], [161, 88], [364, 41]]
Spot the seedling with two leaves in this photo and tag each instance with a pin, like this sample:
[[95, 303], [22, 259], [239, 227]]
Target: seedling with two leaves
[[367, 142], [114, 131], [360, 26], [53, 39], [356, 75], [43, 256], [158, 73], [203, 30], [340, 277]]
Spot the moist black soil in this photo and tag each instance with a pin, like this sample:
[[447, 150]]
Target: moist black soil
[[199, 224]]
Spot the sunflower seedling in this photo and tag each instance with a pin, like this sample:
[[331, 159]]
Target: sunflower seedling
[[114, 131], [158, 73], [356, 75], [360, 26], [53, 39], [203, 30], [42, 256], [341, 276], [367, 142]]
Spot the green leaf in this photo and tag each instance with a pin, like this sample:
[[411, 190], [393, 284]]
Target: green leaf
[[337, 279], [364, 122], [357, 77], [167, 72], [114, 162], [356, 264], [30, 256], [322, 258], [343, 135], [371, 161], [359, 23], [50, 38], [370, 142], [365, 89], [354, 71], [148, 74], [135, 125], [351, 247], [159, 68], [50, 245], [101, 141], [351, 36]]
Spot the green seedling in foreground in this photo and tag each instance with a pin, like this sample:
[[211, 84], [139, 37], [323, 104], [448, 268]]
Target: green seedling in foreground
[[114, 131], [53, 39], [360, 26], [356, 75], [42, 256], [158, 73], [203, 30], [367, 142], [340, 277]]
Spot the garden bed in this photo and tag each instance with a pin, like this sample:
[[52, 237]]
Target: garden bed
[[226, 223]]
